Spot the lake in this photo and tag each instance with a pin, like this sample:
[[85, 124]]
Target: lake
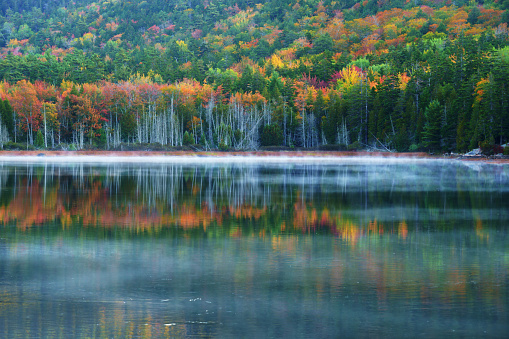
[[350, 247]]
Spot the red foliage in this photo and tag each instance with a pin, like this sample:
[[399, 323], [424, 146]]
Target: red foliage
[[154, 29], [314, 81], [196, 33], [335, 77]]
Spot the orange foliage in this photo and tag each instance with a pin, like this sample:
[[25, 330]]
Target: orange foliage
[[489, 17], [336, 29], [248, 99], [272, 37], [403, 80], [479, 89], [112, 26], [26, 105], [397, 41], [287, 54], [458, 22], [386, 16]]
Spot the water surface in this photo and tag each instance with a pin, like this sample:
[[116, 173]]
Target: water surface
[[358, 248]]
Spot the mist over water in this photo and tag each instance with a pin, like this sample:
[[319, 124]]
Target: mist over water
[[354, 248]]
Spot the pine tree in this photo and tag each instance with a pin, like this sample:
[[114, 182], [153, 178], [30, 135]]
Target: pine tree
[[2, 110], [432, 126], [8, 117], [39, 140]]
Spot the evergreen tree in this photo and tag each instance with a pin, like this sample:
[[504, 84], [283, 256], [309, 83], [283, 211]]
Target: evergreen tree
[[432, 127], [39, 140], [8, 117]]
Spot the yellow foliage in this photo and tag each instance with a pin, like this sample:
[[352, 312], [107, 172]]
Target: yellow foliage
[[287, 54], [13, 42], [88, 37], [66, 84], [182, 44], [350, 77], [276, 61], [403, 80]]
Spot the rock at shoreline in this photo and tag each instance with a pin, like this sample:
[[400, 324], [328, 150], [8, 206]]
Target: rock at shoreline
[[473, 153]]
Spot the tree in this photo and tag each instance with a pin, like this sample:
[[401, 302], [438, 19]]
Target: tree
[[432, 126], [272, 135], [83, 117], [8, 117], [473, 15], [322, 43], [484, 112], [27, 107], [188, 138], [39, 140]]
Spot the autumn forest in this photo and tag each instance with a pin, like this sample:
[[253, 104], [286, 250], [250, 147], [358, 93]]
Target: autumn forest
[[399, 75]]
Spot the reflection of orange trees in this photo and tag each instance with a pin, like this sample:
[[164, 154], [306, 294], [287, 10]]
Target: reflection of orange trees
[[29, 207], [308, 220], [479, 231], [247, 212], [375, 228], [90, 204], [403, 229]]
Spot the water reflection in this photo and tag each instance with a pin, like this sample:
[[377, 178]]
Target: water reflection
[[299, 250], [276, 198]]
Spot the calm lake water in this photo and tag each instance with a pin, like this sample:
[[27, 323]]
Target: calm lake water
[[359, 248]]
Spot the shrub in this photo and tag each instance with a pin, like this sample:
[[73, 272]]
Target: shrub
[[414, 148], [355, 146], [223, 146], [497, 149], [489, 148], [332, 147], [14, 146]]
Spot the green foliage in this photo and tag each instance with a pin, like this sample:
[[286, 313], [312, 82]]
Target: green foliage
[[7, 116], [488, 147], [14, 146], [414, 148], [100, 139], [223, 146], [39, 140], [362, 63], [188, 138], [322, 43], [127, 125], [473, 16], [432, 126], [203, 140], [272, 135], [355, 146]]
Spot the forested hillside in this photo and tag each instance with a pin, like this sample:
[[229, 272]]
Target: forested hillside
[[399, 75]]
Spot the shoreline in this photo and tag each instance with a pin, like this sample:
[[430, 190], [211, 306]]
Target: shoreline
[[236, 156]]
